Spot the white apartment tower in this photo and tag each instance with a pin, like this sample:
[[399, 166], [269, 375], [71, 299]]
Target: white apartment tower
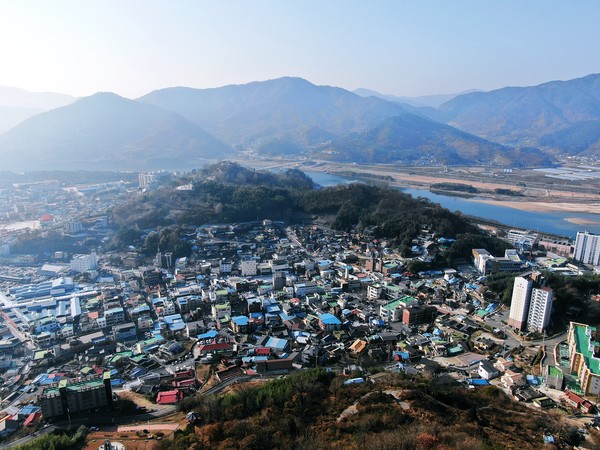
[[83, 263], [587, 248], [248, 267], [519, 306], [540, 309]]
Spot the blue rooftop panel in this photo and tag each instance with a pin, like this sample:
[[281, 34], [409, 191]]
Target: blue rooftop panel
[[330, 319]]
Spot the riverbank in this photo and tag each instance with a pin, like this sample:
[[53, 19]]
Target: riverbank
[[533, 199]]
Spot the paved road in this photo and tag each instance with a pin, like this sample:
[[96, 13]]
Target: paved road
[[99, 420], [32, 436], [20, 336]]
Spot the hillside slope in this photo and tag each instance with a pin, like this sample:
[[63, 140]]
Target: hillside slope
[[109, 132]]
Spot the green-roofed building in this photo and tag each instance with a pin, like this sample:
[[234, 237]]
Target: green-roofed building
[[68, 397], [584, 349], [554, 377], [392, 311]]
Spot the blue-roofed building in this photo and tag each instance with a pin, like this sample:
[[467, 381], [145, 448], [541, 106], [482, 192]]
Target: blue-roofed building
[[174, 323], [329, 322], [277, 345], [208, 336], [240, 324]]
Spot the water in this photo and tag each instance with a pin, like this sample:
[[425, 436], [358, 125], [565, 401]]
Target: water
[[548, 222]]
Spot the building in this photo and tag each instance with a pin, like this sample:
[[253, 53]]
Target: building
[[114, 316], [522, 239], [584, 348], [146, 179], [486, 370], [125, 332], [329, 322], [68, 398], [480, 259], [169, 397], [374, 291], [486, 263], [530, 307], [83, 263], [416, 315], [587, 248], [519, 306], [554, 377], [540, 308], [221, 311], [393, 311], [306, 288], [248, 267]]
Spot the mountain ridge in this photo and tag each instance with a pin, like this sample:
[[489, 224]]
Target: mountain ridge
[[525, 115], [109, 131]]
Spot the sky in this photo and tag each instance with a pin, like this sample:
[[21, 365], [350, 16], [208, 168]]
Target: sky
[[404, 48]]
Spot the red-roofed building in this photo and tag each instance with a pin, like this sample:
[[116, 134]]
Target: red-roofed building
[[184, 384], [579, 402], [32, 419], [169, 397], [214, 346], [183, 374]]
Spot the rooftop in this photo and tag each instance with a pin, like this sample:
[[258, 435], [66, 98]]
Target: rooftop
[[582, 341]]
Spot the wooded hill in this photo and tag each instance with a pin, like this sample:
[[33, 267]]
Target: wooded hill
[[228, 193], [314, 409]]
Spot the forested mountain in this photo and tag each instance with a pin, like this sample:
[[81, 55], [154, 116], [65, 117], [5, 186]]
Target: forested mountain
[[292, 117], [280, 108], [559, 114], [106, 131], [289, 116], [411, 139], [17, 105]]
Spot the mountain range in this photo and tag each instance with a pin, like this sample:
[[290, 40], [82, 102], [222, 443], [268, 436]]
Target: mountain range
[[17, 105], [105, 131], [179, 126]]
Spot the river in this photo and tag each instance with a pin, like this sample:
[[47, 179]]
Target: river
[[548, 222]]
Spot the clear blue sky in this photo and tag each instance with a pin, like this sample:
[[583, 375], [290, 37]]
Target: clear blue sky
[[420, 47]]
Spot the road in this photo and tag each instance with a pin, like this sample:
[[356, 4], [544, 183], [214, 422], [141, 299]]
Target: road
[[99, 420], [37, 434], [20, 336]]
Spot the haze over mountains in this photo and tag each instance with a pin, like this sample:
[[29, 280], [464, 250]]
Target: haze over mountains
[[16, 105], [105, 131], [179, 127]]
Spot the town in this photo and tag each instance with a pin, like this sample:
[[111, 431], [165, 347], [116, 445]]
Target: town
[[92, 332]]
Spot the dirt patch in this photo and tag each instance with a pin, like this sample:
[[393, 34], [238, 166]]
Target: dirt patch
[[140, 400], [133, 436]]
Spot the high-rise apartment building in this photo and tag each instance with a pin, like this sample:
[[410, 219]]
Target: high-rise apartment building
[[540, 308], [531, 307], [587, 248], [519, 306]]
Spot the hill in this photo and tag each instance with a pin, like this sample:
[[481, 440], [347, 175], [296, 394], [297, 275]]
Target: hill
[[432, 101], [11, 116], [105, 131], [20, 98], [280, 108], [17, 105], [531, 115], [290, 116], [314, 409], [227, 192], [411, 139]]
